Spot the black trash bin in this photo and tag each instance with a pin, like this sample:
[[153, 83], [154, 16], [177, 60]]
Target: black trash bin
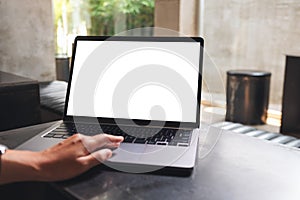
[[247, 96], [62, 68]]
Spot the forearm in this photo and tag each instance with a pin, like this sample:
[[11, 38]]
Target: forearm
[[65, 160], [19, 166]]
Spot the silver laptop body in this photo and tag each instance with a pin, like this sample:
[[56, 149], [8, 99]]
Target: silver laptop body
[[135, 82]]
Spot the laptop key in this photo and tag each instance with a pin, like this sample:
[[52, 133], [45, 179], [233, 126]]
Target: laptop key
[[48, 135], [129, 139], [140, 140], [169, 140], [172, 143], [59, 132], [57, 136], [161, 143], [183, 144], [151, 142]]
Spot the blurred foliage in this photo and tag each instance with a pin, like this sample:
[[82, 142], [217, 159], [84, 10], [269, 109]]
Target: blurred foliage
[[98, 17], [104, 13]]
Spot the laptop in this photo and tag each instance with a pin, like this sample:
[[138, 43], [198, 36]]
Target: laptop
[[146, 89]]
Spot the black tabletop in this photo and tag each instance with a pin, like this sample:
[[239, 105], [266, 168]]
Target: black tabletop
[[229, 166]]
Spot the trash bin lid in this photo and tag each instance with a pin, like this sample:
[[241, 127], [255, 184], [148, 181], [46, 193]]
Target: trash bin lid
[[252, 73]]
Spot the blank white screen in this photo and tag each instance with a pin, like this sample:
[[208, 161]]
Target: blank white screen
[[102, 68]]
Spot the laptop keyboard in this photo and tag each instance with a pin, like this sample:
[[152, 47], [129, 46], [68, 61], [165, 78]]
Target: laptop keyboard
[[138, 135]]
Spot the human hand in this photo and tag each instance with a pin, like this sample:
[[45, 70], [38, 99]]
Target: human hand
[[65, 160], [75, 155]]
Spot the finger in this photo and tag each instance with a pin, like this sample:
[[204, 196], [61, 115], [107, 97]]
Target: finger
[[112, 141], [99, 156], [111, 138], [111, 145], [101, 141]]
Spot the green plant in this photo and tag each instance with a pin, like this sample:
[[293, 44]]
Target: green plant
[[100, 17], [138, 13]]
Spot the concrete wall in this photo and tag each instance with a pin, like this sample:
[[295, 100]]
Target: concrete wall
[[27, 38], [250, 34], [167, 14], [189, 20]]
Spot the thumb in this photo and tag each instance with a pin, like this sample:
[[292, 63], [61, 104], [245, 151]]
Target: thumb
[[102, 154]]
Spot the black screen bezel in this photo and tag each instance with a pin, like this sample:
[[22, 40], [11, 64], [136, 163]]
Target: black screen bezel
[[103, 120]]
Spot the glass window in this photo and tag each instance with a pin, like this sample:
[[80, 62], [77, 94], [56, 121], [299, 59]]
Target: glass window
[[251, 34], [98, 17]]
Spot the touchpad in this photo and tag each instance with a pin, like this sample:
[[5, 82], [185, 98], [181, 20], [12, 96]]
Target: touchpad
[[128, 152]]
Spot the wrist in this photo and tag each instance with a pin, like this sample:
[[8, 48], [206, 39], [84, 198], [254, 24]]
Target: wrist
[[3, 149], [20, 166]]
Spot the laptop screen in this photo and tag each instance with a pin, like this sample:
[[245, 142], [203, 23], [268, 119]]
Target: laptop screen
[[144, 80]]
